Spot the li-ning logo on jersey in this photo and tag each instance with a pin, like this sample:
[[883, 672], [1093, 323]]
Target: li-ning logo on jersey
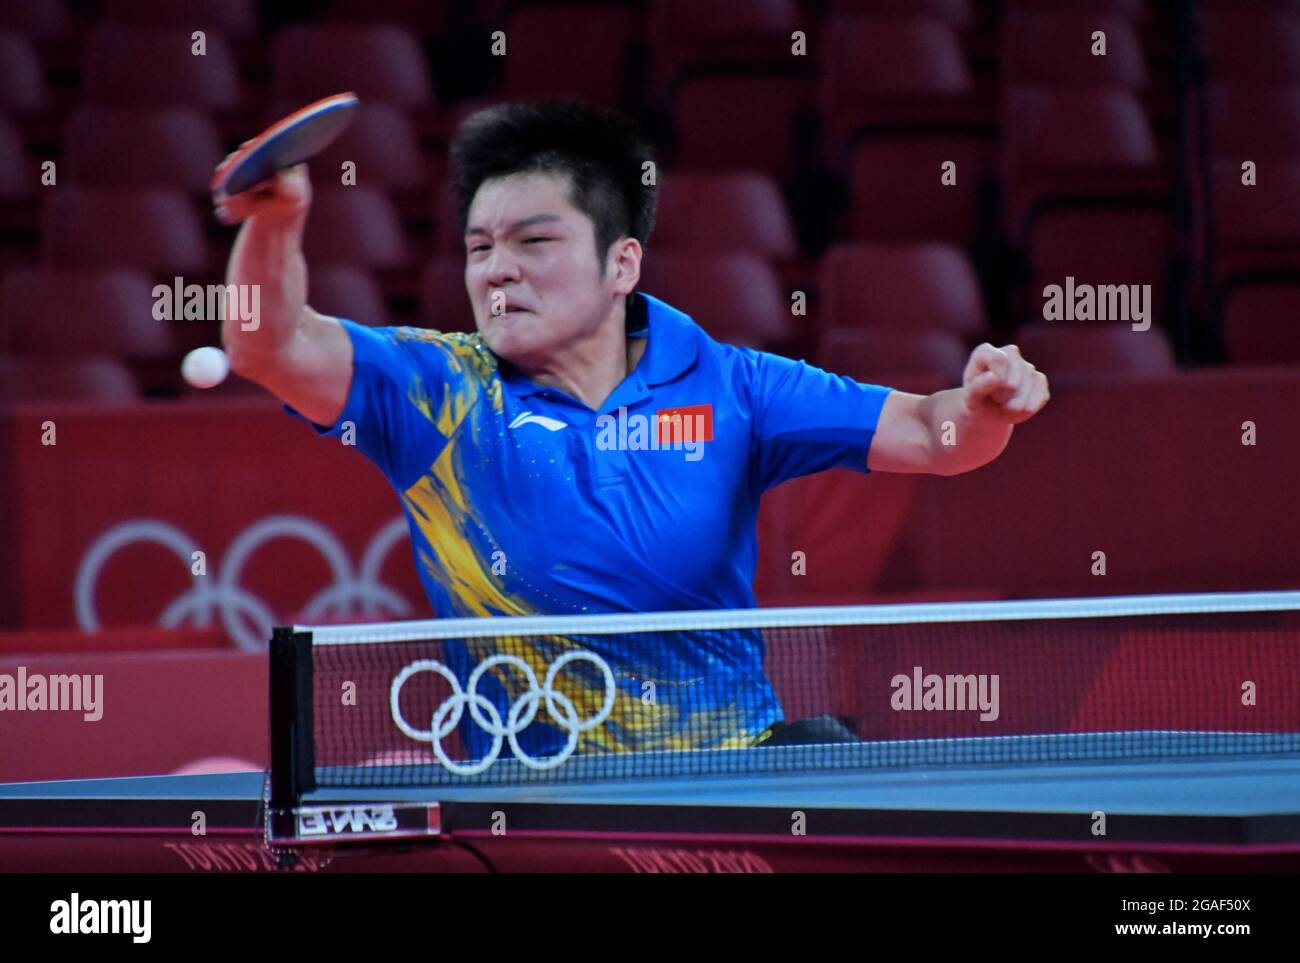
[[528, 418]]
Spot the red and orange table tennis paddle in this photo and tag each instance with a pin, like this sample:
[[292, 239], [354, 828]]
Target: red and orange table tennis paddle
[[292, 140]]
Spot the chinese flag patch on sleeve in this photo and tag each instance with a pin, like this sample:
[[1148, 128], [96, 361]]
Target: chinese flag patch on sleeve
[[685, 424]]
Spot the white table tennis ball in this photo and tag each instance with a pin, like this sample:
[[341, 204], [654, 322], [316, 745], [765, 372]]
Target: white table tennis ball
[[205, 367]]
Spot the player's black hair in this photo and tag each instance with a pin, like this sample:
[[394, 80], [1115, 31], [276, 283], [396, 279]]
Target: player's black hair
[[599, 149]]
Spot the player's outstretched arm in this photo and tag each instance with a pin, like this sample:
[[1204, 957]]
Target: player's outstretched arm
[[955, 431], [299, 355]]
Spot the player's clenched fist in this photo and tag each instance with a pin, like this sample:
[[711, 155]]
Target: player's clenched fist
[[286, 196], [1000, 383]]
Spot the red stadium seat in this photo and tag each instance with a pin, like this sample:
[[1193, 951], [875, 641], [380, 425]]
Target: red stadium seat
[[909, 57], [378, 62], [1066, 350], [1251, 46], [233, 18], [427, 17], [62, 313], [1100, 246], [130, 147], [1086, 194], [570, 50], [444, 302], [716, 33], [355, 225], [1101, 229], [65, 379], [877, 355], [1054, 129], [1256, 226], [1071, 142], [908, 287], [381, 141], [38, 19], [1263, 6], [447, 239], [347, 292], [1131, 9], [914, 73], [974, 21], [729, 120], [156, 66], [1261, 323], [897, 192], [731, 211], [1253, 226], [1055, 49], [18, 175], [1266, 212], [146, 228], [735, 296], [959, 13], [22, 78], [1234, 123]]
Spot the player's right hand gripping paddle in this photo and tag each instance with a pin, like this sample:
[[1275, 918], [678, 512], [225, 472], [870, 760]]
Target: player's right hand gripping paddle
[[298, 137]]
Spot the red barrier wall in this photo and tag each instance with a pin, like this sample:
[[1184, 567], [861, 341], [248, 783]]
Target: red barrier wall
[[201, 475], [159, 711], [1153, 473]]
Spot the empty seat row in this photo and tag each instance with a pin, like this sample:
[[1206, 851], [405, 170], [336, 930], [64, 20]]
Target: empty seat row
[[65, 379], [915, 290], [159, 229], [1066, 353], [69, 334]]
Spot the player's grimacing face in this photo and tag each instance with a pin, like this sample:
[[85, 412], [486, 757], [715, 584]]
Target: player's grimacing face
[[530, 267]]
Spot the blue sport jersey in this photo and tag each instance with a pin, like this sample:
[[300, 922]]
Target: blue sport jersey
[[521, 500]]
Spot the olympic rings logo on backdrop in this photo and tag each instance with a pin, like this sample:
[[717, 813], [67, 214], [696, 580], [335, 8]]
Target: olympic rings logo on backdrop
[[247, 618], [519, 717]]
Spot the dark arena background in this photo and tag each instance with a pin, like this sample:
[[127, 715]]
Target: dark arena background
[[874, 186]]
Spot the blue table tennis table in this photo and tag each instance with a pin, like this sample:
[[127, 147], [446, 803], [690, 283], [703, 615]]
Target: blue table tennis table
[[1168, 807]]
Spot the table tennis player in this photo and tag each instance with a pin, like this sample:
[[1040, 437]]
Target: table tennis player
[[524, 491]]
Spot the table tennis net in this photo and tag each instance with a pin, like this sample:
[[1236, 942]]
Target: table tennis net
[[642, 696]]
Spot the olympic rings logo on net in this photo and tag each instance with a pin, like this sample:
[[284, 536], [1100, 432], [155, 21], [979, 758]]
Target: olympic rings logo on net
[[519, 717]]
